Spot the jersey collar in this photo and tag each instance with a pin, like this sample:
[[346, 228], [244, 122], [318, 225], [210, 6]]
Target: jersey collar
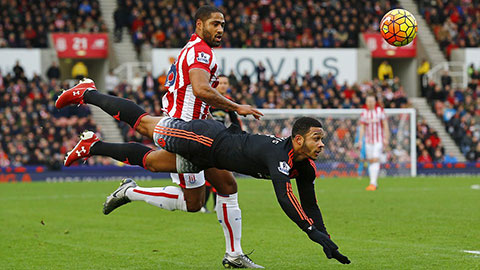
[[289, 148], [195, 36]]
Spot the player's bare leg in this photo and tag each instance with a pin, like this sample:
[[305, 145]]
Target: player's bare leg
[[195, 198], [146, 125]]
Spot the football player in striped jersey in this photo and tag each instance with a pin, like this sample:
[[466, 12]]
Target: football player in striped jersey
[[374, 127]]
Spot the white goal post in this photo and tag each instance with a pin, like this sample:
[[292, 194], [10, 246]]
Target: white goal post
[[340, 157]]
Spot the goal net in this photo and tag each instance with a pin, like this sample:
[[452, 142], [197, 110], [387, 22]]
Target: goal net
[[340, 157]]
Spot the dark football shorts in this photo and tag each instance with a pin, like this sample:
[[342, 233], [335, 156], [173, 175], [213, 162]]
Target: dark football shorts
[[192, 141]]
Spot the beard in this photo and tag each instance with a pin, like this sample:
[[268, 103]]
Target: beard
[[210, 39], [306, 151]]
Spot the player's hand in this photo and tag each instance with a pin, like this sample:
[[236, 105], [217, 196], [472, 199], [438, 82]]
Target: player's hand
[[247, 110], [328, 245], [340, 257]]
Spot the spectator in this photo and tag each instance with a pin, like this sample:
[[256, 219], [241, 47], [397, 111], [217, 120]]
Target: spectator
[[85, 8], [138, 40], [260, 69], [450, 159], [448, 112], [422, 71], [162, 79], [79, 71], [446, 79], [120, 17], [150, 84], [53, 71], [424, 157], [18, 69], [245, 78], [111, 81], [385, 71], [474, 153], [137, 81]]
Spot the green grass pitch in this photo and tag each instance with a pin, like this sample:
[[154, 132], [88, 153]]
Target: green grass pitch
[[409, 223]]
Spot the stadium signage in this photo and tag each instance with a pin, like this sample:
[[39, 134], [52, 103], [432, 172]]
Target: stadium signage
[[75, 174], [279, 63], [381, 49], [81, 45]]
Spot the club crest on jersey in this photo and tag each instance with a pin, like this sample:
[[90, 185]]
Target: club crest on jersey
[[192, 179], [171, 76], [203, 58], [284, 168]]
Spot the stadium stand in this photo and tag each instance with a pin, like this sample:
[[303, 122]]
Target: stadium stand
[[455, 24], [25, 24], [33, 131], [256, 24], [429, 144], [459, 108]]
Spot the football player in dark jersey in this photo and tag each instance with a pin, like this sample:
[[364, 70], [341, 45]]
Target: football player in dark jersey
[[189, 147], [220, 114]]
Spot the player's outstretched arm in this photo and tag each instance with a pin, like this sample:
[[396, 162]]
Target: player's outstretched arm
[[200, 80], [308, 199], [293, 209], [306, 190]]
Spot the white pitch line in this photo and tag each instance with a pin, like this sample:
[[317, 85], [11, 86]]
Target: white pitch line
[[475, 187], [476, 252]]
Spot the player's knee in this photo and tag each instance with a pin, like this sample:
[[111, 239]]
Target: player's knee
[[231, 186], [151, 165], [146, 125], [227, 187], [194, 206]]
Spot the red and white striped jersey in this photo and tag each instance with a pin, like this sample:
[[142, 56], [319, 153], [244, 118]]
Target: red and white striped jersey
[[372, 119], [179, 101]]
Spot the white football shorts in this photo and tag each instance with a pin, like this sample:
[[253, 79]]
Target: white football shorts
[[188, 180], [374, 150]]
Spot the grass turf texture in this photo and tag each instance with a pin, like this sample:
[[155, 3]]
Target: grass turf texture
[[418, 223]]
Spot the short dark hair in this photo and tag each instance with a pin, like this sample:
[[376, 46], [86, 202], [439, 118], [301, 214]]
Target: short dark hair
[[222, 75], [204, 12], [303, 124]]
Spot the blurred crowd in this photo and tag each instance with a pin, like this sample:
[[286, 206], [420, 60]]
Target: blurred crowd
[[429, 145], [26, 23], [459, 108], [456, 24], [33, 131], [253, 24]]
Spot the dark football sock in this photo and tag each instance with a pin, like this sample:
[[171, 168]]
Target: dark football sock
[[129, 153], [120, 108]]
